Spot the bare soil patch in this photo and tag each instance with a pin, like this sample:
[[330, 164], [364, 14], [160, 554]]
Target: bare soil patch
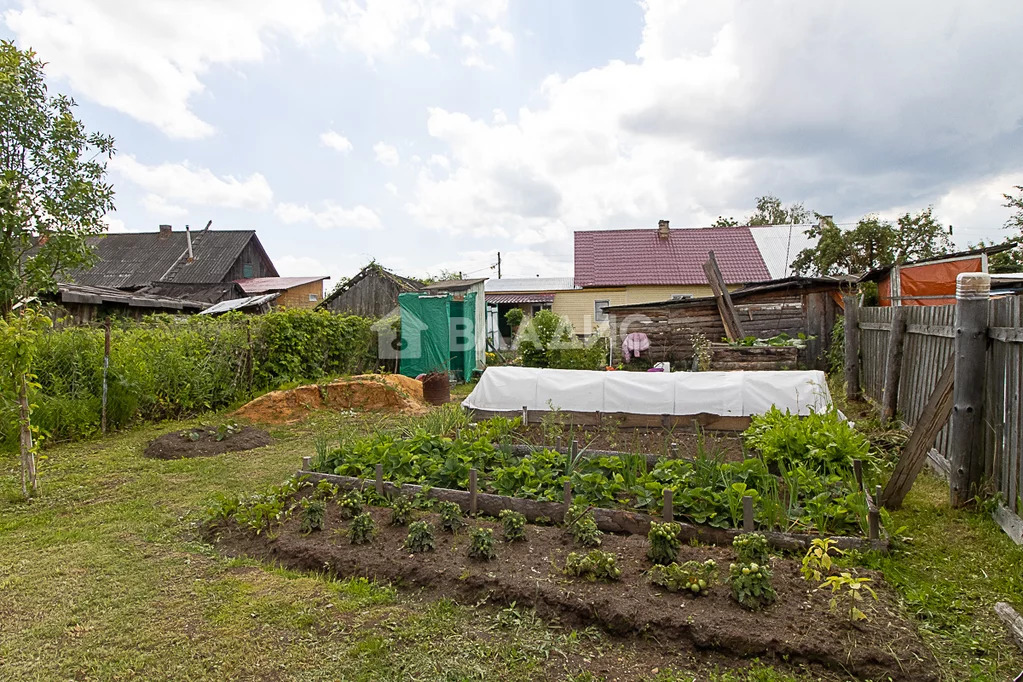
[[726, 447], [375, 392], [203, 442], [798, 630]]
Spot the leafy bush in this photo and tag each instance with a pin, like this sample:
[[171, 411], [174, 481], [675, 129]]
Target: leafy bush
[[481, 544], [548, 340], [823, 442], [313, 512], [751, 548], [594, 565], [664, 542], [419, 538], [691, 576], [513, 524], [450, 516], [361, 530], [514, 317], [751, 585], [401, 511], [350, 504], [582, 527]]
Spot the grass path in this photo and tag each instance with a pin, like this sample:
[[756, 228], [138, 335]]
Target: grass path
[[102, 579]]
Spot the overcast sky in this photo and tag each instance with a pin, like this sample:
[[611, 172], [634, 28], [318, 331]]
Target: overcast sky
[[432, 134]]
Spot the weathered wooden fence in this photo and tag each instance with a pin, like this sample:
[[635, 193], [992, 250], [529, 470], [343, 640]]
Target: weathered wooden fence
[[928, 346]]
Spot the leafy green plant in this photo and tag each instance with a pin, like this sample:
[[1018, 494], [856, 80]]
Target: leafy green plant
[[817, 561], [751, 548], [350, 504], [481, 544], [513, 524], [665, 541], [313, 513], [691, 576], [402, 509], [325, 490], [419, 538], [849, 589], [450, 516], [701, 352], [582, 527], [226, 430], [548, 340], [594, 565], [514, 317], [362, 529], [751, 585]]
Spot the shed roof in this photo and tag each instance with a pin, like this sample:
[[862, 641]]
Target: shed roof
[[404, 284], [80, 293], [878, 274], [129, 260], [265, 285], [624, 257], [528, 297], [748, 290], [454, 284], [518, 284]]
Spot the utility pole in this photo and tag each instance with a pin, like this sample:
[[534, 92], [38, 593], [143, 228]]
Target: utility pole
[[499, 265]]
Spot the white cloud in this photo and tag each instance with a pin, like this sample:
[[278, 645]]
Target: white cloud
[[834, 105], [291, 265], [159, 206], [392, 188], [330, 216], [183, 183], [336, 141], [501, 38], [113, 223], [386, 154]]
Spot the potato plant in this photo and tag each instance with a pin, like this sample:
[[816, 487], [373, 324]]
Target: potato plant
[[751, 548], [690, 576], [450, 516], [582, 527], [361, 530], [419, 538], [313, 512], [350, 504], [513, 525], [751, 585], [592, 566], [664, 542], [401, 511], [481, 544]]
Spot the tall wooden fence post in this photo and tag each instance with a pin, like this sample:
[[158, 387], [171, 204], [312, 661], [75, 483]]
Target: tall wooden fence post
[[893, 365], [852, 347], [106, 370], [966, 455]]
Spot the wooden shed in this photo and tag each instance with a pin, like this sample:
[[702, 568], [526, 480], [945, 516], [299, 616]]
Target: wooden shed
[[373, 292], [794, 305]]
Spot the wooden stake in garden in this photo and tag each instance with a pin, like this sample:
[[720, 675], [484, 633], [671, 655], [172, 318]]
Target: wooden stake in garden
[[966, 454], [852, 347], [893, 365], [106, 370]]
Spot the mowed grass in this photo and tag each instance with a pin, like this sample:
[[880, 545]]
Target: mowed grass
[[104, 578]]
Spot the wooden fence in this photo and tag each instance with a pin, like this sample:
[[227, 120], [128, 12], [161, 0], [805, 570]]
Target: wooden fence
[[929, 343]]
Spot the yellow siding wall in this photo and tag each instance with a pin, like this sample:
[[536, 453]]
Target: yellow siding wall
[[577, 305], [298, 297]]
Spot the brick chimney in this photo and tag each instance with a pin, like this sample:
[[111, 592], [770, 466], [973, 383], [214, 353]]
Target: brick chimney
[[662, 229], [165, 231]]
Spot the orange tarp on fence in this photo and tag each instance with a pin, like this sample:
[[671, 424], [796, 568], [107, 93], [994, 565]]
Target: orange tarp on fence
[[927, 283]]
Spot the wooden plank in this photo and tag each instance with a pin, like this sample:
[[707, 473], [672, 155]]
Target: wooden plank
[[733, 328], [972, 293], [1006, 334], [914, 455], [939, 330], [1009, 522], [852, 349], [1012, 620], [893, 365]]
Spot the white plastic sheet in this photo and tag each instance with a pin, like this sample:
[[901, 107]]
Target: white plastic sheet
[[721, 393]]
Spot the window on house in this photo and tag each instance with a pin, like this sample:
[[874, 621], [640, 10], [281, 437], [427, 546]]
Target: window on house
[[680, 297], [247, 271], [599, 314], [537, 307], [312, 297]]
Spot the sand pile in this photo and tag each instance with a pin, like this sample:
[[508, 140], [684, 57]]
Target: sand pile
[[377, 392]]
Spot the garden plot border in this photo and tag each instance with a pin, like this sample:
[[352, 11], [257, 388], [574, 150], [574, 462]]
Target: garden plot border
[[626, 420], [608, 520]]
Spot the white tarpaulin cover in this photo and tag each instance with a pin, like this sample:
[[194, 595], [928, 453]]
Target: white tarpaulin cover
[[737, 394]]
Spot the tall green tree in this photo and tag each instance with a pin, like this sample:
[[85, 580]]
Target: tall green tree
[[770, 211], [53, 193], [872, 243], [1011, 260]]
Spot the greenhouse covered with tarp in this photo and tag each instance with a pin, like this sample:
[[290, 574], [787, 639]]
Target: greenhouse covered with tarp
[[437, 332]]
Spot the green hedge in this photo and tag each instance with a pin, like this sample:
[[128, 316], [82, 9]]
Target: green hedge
[[168, 368]]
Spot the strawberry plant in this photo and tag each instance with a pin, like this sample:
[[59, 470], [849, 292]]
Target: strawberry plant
[[350, 504], [419, 538], [664, 542], [401, 511], [361, 530], [817, 560], [481, 544], [313, 512], [751, 548], [691, 576], [594, 565], [849, 589], [450, 516], [582, 527], [751, 585], [513, 524]]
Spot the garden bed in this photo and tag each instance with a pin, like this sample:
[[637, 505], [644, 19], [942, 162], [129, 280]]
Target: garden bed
[[799, 629], [207, 442], [610, 439]]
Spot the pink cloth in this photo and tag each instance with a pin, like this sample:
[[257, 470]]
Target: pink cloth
[[634, 344]]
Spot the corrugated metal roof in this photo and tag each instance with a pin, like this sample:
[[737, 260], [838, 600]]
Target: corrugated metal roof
[[454, 284], [240, 304], [131, 260], [779, 245], [530, 284], [623, 257], [262, 285], [520, 298]]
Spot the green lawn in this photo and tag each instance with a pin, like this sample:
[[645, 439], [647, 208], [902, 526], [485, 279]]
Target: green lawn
[[102, 578]]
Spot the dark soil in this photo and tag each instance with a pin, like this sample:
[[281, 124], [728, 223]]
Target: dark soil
[[179, 445], [799, 630], [638, 440]]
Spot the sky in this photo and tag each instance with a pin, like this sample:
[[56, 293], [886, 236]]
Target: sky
[[430, 135]]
